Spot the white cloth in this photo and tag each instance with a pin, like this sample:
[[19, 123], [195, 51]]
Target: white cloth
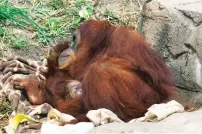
[[102, 116], [55, 116], [158, 112]]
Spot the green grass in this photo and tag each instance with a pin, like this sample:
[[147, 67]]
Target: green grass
[[48, 22], [5, 111], [14, 15]]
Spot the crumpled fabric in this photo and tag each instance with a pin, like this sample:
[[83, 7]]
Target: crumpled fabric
[[159, 112], [20, 67]]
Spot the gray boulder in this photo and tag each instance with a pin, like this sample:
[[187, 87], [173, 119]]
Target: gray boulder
[[174, 29]]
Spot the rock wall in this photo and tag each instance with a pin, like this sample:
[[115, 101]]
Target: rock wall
[[174, 28]]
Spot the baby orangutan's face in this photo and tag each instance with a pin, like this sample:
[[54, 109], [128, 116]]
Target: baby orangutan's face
[[74, 88]]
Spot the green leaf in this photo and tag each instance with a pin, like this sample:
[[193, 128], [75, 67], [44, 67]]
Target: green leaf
[[83, 13], [2, 31]]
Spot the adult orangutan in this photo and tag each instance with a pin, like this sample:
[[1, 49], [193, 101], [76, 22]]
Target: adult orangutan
[[111, 67]]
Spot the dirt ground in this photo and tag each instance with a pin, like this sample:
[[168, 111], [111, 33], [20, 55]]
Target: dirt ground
[[27, 45]]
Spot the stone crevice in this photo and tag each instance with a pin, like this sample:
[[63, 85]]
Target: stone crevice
[[175, 56], [187, 14], [186, 89], [193, 50]]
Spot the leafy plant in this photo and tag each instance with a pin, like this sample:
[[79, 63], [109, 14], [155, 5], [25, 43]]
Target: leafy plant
[[81, 11], [86, 11], [66, 21]]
